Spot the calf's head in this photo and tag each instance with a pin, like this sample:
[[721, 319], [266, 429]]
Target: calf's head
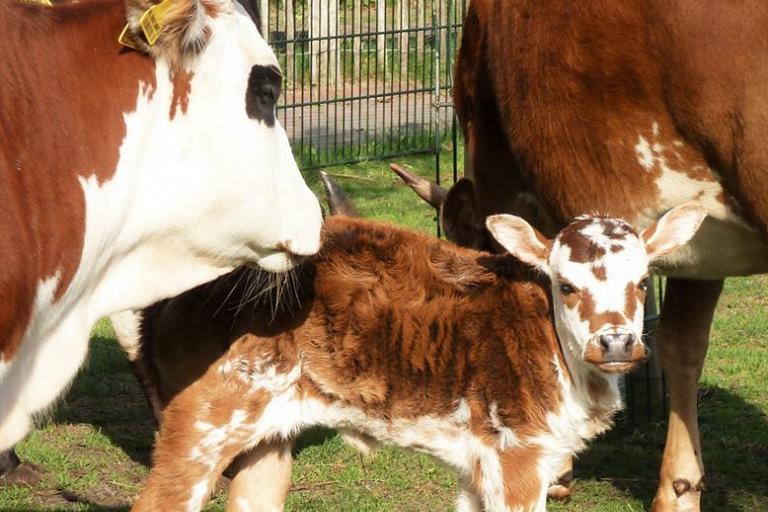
[[223, 181], [598, 268]]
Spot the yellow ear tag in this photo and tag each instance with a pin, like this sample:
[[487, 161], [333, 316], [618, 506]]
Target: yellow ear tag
[[43, 2], [151, 23], [126, 39]]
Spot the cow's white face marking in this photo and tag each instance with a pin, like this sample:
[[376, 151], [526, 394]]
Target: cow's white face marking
[[597, 266], [221, 180]]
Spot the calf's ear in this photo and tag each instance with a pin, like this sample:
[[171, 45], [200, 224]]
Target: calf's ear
[[674, 229], [521, 240]]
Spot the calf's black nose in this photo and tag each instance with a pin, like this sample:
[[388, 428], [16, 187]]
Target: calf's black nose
[[617, 346]]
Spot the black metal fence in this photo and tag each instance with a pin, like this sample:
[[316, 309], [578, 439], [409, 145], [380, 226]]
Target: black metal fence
[[363, 78], [367, 79]]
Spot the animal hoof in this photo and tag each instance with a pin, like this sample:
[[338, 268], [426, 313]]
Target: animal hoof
[[559, 492], [23, 474], [684, 497]]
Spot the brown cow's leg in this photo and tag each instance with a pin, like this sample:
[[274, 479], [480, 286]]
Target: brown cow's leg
[[686, 317], [148, 386], [262, 478]]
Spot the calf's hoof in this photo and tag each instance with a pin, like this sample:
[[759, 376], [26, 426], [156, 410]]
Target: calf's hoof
[[681, 496], [559, 492], [561, 488]]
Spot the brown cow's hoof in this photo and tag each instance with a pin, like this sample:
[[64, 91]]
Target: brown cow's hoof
[[682, 497]]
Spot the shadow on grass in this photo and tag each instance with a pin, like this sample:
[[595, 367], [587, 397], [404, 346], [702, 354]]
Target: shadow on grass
[[107, 396], [734, 434], [734, 443]]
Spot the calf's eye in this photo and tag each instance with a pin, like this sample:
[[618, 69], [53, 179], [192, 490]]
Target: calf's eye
[[567, 289], [642, 286]]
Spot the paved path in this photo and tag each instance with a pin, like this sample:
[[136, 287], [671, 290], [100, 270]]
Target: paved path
[[351, 124]]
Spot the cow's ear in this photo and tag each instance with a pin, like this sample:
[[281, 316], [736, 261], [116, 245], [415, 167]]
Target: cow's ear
[[173, 28], [521, 240], [674, 229]]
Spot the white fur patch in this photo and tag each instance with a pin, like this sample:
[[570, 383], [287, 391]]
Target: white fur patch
[[199, 494], [506, 436], [208, 450], [126, 327], [242, 505], [462, 414]]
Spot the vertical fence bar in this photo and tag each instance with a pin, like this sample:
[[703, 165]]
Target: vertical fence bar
[[360, 76]]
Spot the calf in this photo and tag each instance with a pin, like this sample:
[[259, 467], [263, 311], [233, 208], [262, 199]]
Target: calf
[[499, 366]]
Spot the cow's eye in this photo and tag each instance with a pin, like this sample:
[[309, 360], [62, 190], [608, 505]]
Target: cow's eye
[[567, 289], [642, 286]]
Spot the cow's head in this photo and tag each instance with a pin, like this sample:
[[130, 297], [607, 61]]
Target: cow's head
[[222, 181], [459, 214], [598, 268]]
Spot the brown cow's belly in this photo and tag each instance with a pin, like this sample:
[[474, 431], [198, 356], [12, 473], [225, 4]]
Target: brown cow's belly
[[725, 245], [719, 249]]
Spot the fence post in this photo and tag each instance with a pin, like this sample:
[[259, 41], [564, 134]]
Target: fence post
[[290, 37], [381, 26], [405, 24], [332, 31], [318, 47], [264, 19], [357, 41], [420, 8]]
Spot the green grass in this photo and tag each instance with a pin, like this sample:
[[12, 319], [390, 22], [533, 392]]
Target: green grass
[[96, 444]]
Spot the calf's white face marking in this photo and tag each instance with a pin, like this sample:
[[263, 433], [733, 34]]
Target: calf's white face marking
[[597, 266]]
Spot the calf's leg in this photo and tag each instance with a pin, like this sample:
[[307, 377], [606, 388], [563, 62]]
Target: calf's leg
[[262, 478], [561, 488], [686, 317], [204, 428], [510, 480]]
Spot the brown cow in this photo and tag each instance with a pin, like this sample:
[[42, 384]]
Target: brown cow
[[388, 318], [629, 108], [130, 175]]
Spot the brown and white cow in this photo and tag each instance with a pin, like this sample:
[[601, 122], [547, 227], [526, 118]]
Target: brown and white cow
[[401, 338], [630, 108], [127, 176]]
